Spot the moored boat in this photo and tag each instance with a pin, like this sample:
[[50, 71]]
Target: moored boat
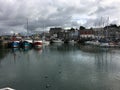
[[57, 41], [109, 44], [26, 44], [93, 42], [15, 42], [37, 43]]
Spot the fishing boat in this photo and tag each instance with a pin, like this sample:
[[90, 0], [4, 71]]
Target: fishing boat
[[37, 43], [15, 42], [27, 43]]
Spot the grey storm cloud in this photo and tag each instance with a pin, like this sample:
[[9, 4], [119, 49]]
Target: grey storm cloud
[[52, 13], [100, 10]]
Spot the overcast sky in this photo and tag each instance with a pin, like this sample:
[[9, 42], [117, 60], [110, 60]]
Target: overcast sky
[[43, 14]]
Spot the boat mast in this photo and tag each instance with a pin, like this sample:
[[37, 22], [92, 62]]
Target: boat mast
[[27, 25], [43, 32], [107, 36]]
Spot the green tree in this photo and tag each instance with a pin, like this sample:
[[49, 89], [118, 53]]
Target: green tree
[[72, 29], [81, 28]]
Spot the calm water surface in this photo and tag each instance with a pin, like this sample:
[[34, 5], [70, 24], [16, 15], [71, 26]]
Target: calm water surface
[[60, 67]]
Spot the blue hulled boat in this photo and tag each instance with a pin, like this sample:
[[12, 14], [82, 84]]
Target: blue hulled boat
[[26, 44], [14, 44]]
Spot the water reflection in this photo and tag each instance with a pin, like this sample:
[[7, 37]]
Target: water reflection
[[102, 61], [61, 47], [3, 53], [93, 49], [26, 49], [61, 67]]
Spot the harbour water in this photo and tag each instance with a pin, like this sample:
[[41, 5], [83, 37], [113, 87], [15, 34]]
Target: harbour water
[[60, 67]]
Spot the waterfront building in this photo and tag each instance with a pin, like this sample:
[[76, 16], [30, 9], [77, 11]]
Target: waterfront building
[[56, 32], [74, 33], [87, 34], [99, 33], [112, 33]]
